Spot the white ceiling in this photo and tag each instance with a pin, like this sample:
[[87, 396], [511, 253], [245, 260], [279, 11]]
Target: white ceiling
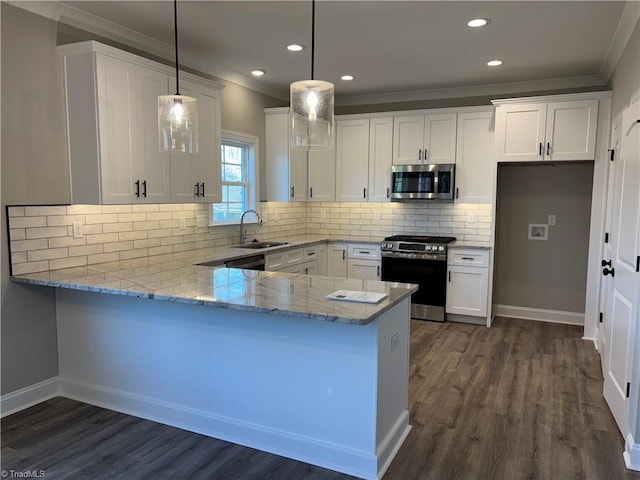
[[392, 47]]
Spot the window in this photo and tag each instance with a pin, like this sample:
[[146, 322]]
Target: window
[[239, 177]]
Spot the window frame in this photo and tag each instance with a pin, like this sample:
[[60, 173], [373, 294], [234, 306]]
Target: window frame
[[251, 143]]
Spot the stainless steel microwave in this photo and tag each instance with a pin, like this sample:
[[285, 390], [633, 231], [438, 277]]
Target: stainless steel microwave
[[422, 182]]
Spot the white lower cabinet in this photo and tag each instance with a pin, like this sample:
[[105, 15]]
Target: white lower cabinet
[[468, 282], [299, 260], [322, 260], [363, 261], [337, 260]]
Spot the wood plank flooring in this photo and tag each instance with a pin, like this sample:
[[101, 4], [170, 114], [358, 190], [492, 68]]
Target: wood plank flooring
[[522, 400]]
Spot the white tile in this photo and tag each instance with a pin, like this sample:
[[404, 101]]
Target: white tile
[[18, 257], [183, 214], [165, 232], [89, 229], [118, 246], [169, 224], [151, 242], [167, 207], [67, 262], [139, 235], [59, 220], [84, 209], [160, 250], [46, 232], [24, 268], [57, 242], [145, 208], [17, 234], [117, 227], [86, 250], [16, 212], [159, 216], [148, 225], [142, 252], [116, 208], [170, 240], [45, 210], [102, 238], [102, 218], [38, 255], [132, 217], [103, 257], [27, 222], [183, 247]]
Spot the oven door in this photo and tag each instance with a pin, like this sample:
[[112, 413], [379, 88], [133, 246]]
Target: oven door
[[430, 274]]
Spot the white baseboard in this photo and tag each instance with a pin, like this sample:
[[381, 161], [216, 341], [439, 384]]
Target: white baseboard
[[632, 453], [539, 314], [328, 455], [392, 442], [28, 396]]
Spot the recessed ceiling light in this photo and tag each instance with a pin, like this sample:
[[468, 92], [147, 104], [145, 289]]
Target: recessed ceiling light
[[478, 22], [347, 77], [494, 63], [258, 72], [294, 47]]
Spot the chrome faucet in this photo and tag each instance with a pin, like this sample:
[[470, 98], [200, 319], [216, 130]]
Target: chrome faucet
[[243, 234]]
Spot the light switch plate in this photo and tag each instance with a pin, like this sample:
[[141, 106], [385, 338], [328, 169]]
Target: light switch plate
[[471, 218], [201, 221], [377, 215], [183, 223], [77, 229], [552, 220]]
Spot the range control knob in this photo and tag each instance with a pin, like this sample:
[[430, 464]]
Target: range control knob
[[441, 248], [427, 248]]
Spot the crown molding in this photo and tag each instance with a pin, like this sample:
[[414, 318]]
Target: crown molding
[[500, 89], [628, 21], [68, 15]]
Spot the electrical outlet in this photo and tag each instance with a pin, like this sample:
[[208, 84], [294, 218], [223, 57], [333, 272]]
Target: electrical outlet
[[201, 221], [471, 218], [77, 229], [323, 214], [377, 215], [183, 223], [394, 341], [552, 220]]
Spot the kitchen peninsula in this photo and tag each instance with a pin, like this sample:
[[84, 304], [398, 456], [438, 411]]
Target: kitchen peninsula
[[262, 359]]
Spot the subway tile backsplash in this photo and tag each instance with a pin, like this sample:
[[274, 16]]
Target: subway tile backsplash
[[41, 237]]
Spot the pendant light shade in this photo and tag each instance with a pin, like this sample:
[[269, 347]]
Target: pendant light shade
[[177, 114], [311, 107]]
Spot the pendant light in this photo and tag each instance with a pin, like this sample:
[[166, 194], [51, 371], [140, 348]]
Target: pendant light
[[311, 107], [177, 114]]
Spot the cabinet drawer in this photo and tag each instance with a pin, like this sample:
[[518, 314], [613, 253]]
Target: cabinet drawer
[[469, 257], [310, 253], [364, 251], [275, 261], [294, 256]]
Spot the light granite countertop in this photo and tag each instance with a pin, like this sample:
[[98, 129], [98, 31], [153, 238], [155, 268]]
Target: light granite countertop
[[177, 277]]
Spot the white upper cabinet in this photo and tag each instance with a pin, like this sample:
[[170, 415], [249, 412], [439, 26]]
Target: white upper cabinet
[[554, 131], [380, 158], [112, 118], [286, 167], [352, 160], [475, 166], [196, 177], [295, 175], [424, 139], [322, 175]]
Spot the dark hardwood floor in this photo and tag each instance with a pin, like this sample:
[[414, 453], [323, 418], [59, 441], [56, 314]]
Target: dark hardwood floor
[[522, 400]]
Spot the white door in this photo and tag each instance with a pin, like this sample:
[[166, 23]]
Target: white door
[[439, 138], [408, 139], [467, 291], [607, 251], [380, 159], [520, 132], [352, 160], [322, 175], [475, 166], [151, 166], [571, 130], [625, 264]]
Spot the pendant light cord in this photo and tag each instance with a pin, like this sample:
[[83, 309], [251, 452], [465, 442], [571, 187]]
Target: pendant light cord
[[313, 35], [175, 32]]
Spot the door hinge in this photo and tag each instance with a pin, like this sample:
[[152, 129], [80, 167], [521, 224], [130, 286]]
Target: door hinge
[[601, 315], [628, 388], [612, 153], [606, 237]]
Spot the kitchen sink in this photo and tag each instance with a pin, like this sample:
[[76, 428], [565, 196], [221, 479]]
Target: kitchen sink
[[258, 245]]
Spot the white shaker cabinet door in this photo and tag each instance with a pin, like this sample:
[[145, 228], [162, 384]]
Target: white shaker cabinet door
[[337, 260], [322, 175], [475, 165], [408, 139], [571, 130], [151, 167], [439, 139], [380, 159], [467, 291], [352, 160], [520, 132], [207, 159]]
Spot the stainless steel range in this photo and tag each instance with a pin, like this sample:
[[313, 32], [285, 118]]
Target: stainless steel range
[[421, 260]]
